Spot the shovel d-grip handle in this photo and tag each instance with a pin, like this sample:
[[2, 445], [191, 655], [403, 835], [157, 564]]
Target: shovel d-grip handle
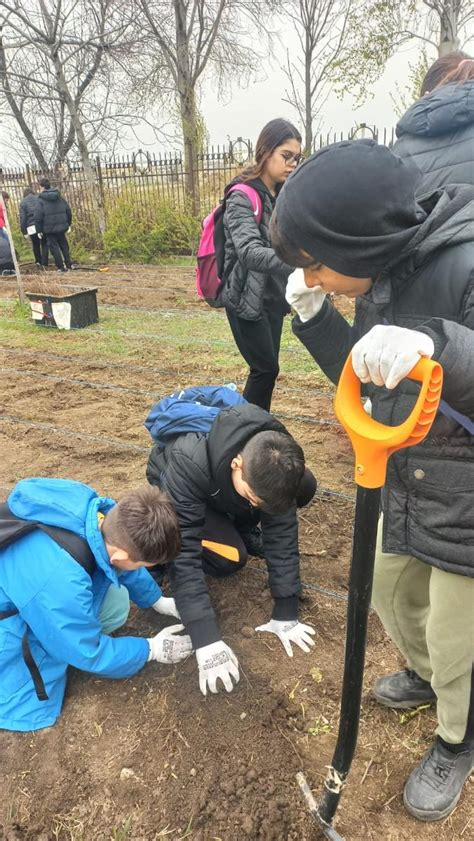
[[373, 442]]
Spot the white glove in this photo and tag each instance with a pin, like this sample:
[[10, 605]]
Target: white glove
[[305, 300], [168, 648], [289, 631], [386, 354], [216, 661], [166, 607], [40, 236]]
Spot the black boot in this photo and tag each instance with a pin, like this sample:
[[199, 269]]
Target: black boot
[[435, 785], [403, 690]]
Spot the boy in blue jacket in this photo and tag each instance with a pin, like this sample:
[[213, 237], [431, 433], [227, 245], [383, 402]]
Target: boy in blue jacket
[[63, 613]]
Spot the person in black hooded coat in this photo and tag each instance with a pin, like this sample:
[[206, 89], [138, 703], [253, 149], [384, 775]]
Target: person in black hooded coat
[[253, 292], [349, 217], [202, 473], [53, 219], [437, 132]]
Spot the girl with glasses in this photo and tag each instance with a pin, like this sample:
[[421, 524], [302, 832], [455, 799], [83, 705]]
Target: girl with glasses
[[254, 277]]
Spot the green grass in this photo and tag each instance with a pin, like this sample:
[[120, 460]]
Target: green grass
[[159, 336]]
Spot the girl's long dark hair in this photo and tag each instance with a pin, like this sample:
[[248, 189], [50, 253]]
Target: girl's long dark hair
[[454, 67], [272, 135]]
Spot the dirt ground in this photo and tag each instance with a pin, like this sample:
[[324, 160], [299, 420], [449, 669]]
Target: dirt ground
[[149, 757]]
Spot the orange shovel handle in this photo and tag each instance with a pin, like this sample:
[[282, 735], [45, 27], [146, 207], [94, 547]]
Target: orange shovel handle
[[373, 442]]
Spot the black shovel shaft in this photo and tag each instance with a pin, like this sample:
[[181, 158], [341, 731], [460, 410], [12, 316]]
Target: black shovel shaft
[[360, 591]]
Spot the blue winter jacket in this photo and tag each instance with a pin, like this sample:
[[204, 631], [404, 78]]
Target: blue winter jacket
[[59, 603]]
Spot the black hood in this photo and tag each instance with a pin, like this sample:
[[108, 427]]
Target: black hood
[[441, 112], [352, 207], [230, 432], [49, 195], [449, 221]]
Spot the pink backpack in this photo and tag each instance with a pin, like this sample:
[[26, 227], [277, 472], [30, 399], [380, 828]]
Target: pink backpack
[[211, 249]]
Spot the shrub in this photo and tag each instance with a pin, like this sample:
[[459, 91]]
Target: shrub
[[143, 231]]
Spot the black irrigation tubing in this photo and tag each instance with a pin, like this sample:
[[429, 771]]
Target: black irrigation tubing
[[119, 284], [321, 492], [167, 337], [168, 311], [101, 439], [306, 585], [144, 368], [148, 393]]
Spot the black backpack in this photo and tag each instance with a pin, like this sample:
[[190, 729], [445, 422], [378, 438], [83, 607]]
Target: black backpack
[[11, 529]]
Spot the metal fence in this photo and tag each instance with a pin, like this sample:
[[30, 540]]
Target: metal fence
[[148, 182]]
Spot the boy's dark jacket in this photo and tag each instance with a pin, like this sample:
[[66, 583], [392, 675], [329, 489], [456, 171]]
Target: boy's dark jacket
[[437, 133], [254, 276], [195, 471], [53, 214], [428, 499], [28, 211]]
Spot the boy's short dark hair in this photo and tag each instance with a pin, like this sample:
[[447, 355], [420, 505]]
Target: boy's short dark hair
[[273, 466], [27, 191], [144, 524], [45, 183]]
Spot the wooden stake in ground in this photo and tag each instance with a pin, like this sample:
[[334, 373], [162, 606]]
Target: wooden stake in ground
[[21, 291]]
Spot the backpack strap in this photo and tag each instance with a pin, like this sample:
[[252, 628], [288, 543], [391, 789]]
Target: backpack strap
[[253, 196], [73, 544]]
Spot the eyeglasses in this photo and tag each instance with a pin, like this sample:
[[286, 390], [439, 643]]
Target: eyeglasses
[[289, 158]]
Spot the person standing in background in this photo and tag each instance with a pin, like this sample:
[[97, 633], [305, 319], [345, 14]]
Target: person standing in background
[[437, 132], [28, 210], [253, 292], [53, 218]]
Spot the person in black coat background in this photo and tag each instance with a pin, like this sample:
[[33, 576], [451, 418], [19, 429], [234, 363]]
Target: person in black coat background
[[53, 218], [28, 211], [254, 277], [437, 132]]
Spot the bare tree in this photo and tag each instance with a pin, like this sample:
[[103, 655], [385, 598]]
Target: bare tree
[[322, 30], [196, 36], [53, 59], [440, 27]]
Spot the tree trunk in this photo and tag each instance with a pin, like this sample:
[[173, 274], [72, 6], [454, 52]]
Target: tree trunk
[[308, 121], [76, 121], [189, 125], [187, 104], [448, 33]]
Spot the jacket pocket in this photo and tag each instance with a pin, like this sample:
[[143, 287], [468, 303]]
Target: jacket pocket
[[442, 493]]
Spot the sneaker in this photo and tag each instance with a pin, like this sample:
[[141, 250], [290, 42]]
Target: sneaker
[[253, 541], [61, 271], [403, 690], [435, 785]]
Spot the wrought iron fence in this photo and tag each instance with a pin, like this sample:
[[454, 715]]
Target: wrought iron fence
[[146, 181]]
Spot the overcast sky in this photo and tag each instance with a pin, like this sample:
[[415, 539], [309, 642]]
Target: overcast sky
[[246, 111]]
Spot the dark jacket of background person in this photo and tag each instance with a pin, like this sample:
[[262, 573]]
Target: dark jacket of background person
[[6, 261], [28, 212], [255, 278], [195, 471], [53, 215], [437, 132], [428, 498]]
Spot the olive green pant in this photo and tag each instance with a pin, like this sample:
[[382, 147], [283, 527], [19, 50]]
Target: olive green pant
[[429, 614]]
